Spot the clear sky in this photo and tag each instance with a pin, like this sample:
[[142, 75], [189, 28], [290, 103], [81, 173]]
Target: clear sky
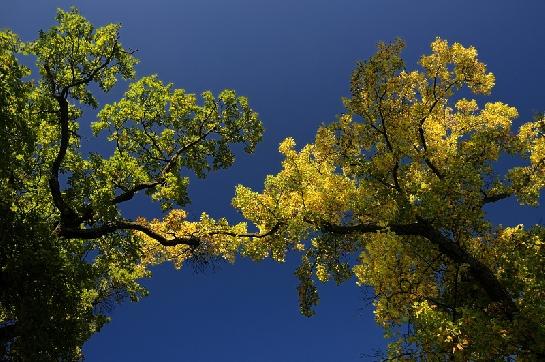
[[293, 60]]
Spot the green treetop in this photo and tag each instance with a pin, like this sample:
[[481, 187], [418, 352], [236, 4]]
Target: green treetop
[[67, 252]]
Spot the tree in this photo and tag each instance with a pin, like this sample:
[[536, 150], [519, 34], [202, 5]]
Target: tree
[[401, 180], [67, 254]]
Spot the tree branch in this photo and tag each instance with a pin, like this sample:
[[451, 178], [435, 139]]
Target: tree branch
[[95, 71], [192, 241], [434, 169], [488, 199], [68, 215], [384, 133], [479, 271], [202, 136], [129, 194], [97, 232], [273, 230], [421, 126]]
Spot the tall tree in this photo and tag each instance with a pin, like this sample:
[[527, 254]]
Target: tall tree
[[67, 253], [401, 180]]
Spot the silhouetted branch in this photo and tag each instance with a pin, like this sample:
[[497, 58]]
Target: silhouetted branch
[[479, 271]]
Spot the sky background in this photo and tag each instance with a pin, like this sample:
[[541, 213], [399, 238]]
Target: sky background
[[293, 60]]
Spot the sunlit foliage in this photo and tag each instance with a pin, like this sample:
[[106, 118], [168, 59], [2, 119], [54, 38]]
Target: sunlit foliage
[[401, 180], [67, 253], [398, 182]]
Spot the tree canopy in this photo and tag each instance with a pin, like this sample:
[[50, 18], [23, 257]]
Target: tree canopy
[[400, 181], [67, 252]]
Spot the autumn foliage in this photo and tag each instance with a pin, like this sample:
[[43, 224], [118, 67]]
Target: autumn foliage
[[398, 181]]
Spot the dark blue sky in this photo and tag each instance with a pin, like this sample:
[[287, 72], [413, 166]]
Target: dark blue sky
[[293, 60]]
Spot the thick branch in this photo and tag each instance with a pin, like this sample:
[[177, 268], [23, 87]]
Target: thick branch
[[191, 241], [97, 232], [488, 199], [480, 272], [67, 214]]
